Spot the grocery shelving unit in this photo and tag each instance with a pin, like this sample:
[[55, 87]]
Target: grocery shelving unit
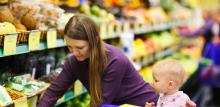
[[142, 29], [106, 34], [143, 61], [23, 48]]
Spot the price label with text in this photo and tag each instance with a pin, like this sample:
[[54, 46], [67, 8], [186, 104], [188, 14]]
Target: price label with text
[[34, 40], [126, 26], [119, 28], [10, 44], [51, 39], [137, 26]]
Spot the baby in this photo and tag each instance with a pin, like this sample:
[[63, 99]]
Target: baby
[[168, 76]]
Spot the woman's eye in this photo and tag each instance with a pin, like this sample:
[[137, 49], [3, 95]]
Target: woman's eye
[[80, 48]]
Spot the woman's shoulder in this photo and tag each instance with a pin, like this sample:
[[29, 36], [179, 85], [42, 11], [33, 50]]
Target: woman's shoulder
[[114, 52]]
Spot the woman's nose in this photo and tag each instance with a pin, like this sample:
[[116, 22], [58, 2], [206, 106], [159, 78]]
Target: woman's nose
[[75, 52]]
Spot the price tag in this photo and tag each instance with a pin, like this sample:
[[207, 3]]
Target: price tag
[[137, 27], [118, 28], [10, 44], [78, 88], [126, 26], [21, 103], [51, 39], [142, 27], [127, 40], [34, 40]]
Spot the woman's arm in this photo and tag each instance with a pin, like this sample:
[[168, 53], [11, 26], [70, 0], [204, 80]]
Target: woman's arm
[[200, 31], [59, 86], [112, 80]]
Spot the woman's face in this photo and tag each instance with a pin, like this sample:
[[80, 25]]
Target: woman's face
[[79, 48]]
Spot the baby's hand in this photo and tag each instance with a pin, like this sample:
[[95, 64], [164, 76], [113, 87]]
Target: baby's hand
[[149, 104], [190, 103]]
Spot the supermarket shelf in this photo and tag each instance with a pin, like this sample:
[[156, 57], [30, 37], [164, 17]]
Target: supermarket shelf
[[23, 48], [141, 29], [68, 96], [142, 61], [147, 28], [112, 36], [160, 26]]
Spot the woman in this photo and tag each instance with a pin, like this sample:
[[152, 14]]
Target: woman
[[103, 69]]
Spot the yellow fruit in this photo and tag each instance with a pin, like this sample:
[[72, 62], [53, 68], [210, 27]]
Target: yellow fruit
[[6, 28], [72, 3]]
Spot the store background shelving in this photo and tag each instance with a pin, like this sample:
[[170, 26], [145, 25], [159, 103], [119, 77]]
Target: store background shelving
[[23, 48], [110, 31], [141, 29]]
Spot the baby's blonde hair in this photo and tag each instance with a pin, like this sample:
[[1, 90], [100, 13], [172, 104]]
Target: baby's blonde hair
[[170, 69]]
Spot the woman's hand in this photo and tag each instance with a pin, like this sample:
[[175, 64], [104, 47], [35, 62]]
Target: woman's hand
[[190, 103]]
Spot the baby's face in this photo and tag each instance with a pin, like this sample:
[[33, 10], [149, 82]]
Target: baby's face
[[160, 83]]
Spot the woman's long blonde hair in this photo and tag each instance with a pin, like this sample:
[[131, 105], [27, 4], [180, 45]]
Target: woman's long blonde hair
[[83, 28]]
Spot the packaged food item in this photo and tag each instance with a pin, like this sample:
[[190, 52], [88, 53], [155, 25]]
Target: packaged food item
[[5, 98], [25, 85]]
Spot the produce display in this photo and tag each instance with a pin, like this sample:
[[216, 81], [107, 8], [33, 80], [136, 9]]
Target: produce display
[[153, 42], [98, 14], [70, 3], [23, 85], [151, 15]]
